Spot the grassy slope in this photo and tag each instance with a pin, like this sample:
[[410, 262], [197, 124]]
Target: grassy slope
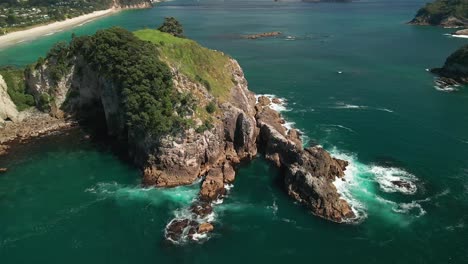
[[200, 64]]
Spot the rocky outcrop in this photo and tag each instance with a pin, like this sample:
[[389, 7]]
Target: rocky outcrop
[[309, 173], [461, 32], [262, 35], [447, 22], [240, 126], [8, 109], [455, 70], [449, 14]]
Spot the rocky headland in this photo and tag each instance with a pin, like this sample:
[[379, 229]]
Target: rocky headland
[[181, 119], [449, 14], [455, 70]]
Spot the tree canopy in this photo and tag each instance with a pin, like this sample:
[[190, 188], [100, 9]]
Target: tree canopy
[[172, 26]]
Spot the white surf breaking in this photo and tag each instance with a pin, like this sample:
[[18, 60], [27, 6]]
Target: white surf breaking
[[359, 188], [186, 213], [341, 105], [281, 106]]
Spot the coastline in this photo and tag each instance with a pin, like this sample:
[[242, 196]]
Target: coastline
[[38, 31], [33, 124]]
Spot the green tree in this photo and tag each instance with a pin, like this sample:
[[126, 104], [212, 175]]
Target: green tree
[[173, 27]]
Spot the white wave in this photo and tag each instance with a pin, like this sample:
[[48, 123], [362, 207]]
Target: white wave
[[448, 89], [198, 237], [385, 110], [281, 107], [156, 196], [458, 36], [350, 106], [228, 187], [411, 207], [273, 208], [394, 179], [289, 125], [359, 189], [341, 105], [344, 187], [340, 126], [218, 201]]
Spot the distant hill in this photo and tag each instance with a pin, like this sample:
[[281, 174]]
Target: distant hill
[[447, 13]]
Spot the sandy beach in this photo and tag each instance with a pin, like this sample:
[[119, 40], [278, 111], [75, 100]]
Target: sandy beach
[[35, 32]]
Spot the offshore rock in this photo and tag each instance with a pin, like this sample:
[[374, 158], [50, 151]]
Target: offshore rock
[[309, 173]]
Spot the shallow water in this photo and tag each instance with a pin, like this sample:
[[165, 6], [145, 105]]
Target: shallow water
[[76, 202]]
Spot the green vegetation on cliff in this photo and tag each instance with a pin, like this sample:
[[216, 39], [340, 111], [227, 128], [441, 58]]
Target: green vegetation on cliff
[[142, 66], [14, 79], [147, 92], [437, 13], [144, 82], [206, 66]]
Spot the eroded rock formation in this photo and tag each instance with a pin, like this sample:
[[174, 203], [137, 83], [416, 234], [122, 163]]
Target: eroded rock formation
[[239, 127]]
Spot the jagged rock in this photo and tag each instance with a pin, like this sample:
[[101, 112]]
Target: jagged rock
[[177, 227], [309, 172], [293, 135], [276, 100], [228, 173], [455, 69], [239, 126], [213, 185], [201, 209], [205, 228], [263, 100]]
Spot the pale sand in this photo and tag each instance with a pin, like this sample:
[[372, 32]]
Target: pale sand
[[36, 32]]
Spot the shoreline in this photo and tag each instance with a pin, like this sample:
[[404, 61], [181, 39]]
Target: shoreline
[[34, 124], [35, 32]]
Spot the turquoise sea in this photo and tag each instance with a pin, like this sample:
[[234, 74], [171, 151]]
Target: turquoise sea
[[68, 200]]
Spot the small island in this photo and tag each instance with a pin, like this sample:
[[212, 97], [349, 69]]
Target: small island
[[180, 111]]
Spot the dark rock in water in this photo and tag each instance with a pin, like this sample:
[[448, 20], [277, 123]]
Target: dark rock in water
[[3, 170], [309, 173], [403, 184], [201, 209], [455, 70], [176, 229], [262, 35]]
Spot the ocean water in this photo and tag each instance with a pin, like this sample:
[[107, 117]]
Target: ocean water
[[355, 81]]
